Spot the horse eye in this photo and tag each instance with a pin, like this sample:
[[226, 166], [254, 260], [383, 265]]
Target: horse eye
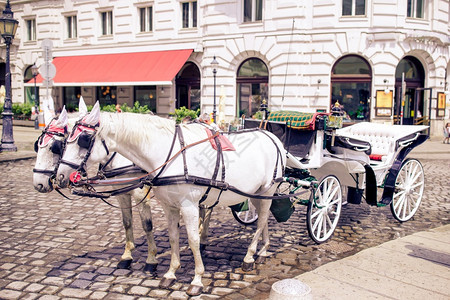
[[36, 146]]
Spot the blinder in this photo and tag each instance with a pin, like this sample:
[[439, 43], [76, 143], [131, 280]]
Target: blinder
[[36, 145], [57, 147], [84, 140]]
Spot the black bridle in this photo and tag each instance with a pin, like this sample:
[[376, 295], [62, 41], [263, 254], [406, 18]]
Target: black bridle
[[57, 148], [86, 141]]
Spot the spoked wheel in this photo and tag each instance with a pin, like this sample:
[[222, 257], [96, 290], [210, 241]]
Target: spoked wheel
[[247, 217], [408, 192], [324, 209]]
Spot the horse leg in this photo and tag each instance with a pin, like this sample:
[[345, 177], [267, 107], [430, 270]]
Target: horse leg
[[205, 217], [173, 218], [191, 216], [262, 253], [127, 219], [263, 216], [145, 213]]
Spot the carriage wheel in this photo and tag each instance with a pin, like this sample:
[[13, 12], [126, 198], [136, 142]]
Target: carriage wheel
[[247, 217], [408, 192], [324, 209]]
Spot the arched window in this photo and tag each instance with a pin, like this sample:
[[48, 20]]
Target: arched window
[[351, 79], [252, 86], [188, 87]]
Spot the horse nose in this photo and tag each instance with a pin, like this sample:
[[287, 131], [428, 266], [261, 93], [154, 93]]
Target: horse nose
[[39, 188]]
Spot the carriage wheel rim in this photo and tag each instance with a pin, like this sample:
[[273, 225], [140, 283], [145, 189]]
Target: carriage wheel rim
[[247, 217], [326, 210], [409, 186]]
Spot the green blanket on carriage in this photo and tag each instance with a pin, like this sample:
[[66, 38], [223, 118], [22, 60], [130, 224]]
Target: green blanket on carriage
[[295, 119]]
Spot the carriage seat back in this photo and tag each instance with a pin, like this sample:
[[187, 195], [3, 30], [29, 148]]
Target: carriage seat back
[[383, 138]]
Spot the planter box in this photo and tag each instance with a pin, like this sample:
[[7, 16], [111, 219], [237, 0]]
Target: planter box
[[26, 123]]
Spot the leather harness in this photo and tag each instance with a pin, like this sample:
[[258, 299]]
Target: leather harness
[[185, 178]]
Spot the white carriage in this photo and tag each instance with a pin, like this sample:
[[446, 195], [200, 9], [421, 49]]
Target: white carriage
[[340, 165]]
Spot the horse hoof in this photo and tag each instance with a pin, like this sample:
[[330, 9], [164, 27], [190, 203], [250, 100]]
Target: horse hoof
[[247, 266], [202, 247], [150, 268], [165, 283], [124, 264], [194, 290], [260, 259]]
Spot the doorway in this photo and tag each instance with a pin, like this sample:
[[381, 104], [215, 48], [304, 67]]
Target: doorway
[[409, 105], [188, 87]]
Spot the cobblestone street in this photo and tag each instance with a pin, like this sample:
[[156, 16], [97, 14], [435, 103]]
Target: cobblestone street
[[54, 248]]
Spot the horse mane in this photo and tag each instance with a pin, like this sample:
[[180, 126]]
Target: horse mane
[[117, 123]]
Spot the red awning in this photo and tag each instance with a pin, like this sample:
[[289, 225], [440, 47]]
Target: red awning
[[141, 68]]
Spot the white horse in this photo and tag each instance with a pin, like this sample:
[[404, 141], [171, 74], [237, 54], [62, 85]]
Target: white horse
[[49, 147], [259, 158]]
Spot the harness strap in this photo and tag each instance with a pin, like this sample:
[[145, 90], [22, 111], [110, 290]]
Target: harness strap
[[70, 164], [179, 132], [223, 186], [106, 194], [43, 171]]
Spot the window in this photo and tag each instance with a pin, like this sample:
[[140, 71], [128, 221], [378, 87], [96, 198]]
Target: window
[[252, 86], [253, 10], [107, 23], [146, 19], [71, 97], [353, 7], [31, 29], [146, 95], [71, 22], [415, 9], [107, 95], [351, 80], [189, 14]]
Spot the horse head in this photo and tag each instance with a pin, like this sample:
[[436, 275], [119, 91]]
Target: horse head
[[49, 147], [82, 147]]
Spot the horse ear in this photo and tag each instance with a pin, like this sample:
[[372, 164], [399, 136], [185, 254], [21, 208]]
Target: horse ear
[[94, 117], [48, 116], [82, 108], [63, 119]]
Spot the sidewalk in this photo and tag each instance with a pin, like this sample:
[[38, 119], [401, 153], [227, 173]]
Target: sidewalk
[[24, 138], [412, 267]]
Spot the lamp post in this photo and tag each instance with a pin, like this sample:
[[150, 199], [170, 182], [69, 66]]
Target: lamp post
[[8, 27], [35, 72], [214, 64]]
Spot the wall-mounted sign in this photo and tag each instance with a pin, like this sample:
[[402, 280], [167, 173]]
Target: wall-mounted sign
[[440, 112], [383, 106]]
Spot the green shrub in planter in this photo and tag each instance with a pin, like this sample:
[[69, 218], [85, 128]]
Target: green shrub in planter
[[183, 112]]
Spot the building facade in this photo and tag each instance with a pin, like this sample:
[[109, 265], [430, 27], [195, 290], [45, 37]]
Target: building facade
[[382, 60]]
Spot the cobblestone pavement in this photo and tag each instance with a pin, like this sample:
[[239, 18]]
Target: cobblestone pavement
[[54, 248]]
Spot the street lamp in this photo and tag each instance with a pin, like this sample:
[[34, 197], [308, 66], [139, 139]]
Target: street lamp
[[214, 64], [35, 72], [8, 27]]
